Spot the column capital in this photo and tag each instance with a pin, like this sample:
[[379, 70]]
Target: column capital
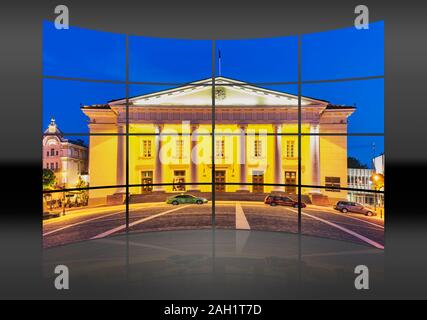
[[277, 127], [159, 127], [121, 127], [243, 126], [314, 127], [194, 126]]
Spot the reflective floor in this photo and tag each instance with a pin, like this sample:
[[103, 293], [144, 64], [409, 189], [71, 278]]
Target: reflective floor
[[208, 264]]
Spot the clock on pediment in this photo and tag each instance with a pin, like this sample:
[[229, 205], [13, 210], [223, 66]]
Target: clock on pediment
[[220, 93]]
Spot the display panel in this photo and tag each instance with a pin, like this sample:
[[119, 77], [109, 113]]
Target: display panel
[[256, 109], [75, 215], [359, 220], [83, 53], [336, 154], [169, 60], [343, 53], [211, 134], [170, 110], [258, 60], [80, 107], [351, 106], [346, 193]]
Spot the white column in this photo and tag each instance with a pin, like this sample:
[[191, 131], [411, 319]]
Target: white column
[[242, 158], [121, 149], [278, 170], [158, 178], [315, 157], [193, 159]]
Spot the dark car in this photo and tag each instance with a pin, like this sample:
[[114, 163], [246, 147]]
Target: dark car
[[274, 200], [185, 198], [349, 206]]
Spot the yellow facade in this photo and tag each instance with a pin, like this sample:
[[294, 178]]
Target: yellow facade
[[102, 164], [184, 147]]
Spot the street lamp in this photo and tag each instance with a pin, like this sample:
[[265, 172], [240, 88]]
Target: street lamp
[[378, 181]]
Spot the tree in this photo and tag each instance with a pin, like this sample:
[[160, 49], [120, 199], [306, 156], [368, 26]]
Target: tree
[[81, 183], [355, 163], [83, 193], [49, 179]]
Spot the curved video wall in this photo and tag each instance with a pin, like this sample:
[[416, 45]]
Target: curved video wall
[[276, 134]]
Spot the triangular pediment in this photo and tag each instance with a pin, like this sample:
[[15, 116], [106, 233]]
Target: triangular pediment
[[228, 92]]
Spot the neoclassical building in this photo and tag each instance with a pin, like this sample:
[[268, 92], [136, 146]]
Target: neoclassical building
[[170, 141]]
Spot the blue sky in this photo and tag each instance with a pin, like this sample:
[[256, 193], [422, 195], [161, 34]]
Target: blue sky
[[335, 54]]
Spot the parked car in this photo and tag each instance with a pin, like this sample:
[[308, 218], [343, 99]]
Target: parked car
[[185, 198], [274, 200], [349, 206]]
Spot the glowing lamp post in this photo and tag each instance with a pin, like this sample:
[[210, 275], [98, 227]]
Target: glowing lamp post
[[378, 182]]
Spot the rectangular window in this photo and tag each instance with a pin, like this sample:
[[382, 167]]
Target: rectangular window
[[290, 148], [146, 181], [52, 152], [51, 166], [332, 182], [179, 148], [219, 148], [47, 154], [257, 149], [56, 165], [146, 148]]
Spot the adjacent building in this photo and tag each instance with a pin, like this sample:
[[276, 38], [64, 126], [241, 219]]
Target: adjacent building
[[360, 179], [68, 159], [379, 164], [255, 141]]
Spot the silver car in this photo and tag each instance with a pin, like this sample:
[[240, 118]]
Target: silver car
[[349, 206]]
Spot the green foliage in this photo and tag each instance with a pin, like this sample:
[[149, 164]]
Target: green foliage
[[355, 163], [49, 179], [84, 195], [81, 183]]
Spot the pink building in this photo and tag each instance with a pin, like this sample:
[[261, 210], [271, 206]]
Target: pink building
[[68, 159]]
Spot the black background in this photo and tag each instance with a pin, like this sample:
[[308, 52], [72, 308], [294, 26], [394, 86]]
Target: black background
[[21, 102]]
